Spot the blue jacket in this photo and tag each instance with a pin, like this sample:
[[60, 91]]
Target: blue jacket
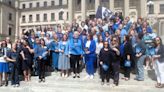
[[75, 46], [128, 25], [64, 47], [54, 46], [92, 49], [40, 51]]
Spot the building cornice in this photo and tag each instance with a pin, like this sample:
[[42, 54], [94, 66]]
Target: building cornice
[[45, 8], [2, 3]]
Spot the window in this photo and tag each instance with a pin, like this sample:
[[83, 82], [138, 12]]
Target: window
[[52, 16], [10, 16], [30, 18], [30, 5], [60, 2], [24, 19], [45, 4], [52, 3], [151, 9], [67, 15], [90, 1], [61, 15], [37, 4], [10, 31], [78, 2], [24, 6], [10, 3], [45, 17], [37, 17], [162, 8]]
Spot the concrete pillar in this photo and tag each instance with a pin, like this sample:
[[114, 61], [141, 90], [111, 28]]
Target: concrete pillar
[[143, 5], [111, 5], [97, 3], [126, 8], [83, 9], [17, 30], [70, 10], [1, 13]]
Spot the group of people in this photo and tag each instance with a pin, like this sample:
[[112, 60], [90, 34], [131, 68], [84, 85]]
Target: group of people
[[105, 46]]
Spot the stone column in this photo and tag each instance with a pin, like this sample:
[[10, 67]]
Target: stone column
[[83, 9], [17, 30], [111, 5], [71, 10], [126, 8], [143, 5], [97, 3], [1, 12]]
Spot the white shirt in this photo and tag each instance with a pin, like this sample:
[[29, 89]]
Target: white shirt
[[2, 58], [88, 44], [99, 46]]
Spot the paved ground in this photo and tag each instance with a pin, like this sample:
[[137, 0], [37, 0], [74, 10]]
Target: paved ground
[[55, 83]]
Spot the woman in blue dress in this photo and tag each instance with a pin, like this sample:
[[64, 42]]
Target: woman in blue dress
[[64, 61], [4, 66], [90, 55], [54, 48]]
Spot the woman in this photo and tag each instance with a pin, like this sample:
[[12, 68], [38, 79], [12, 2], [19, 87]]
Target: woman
[[105, 58], [107, 37], [90, 55], [12, 58], [64, 63], [54, 47], [41, 57], [9, 44], [159, 62], [27, 60], [116, 59], [75, 51], [127, 57], [99, 46], [4, 66]]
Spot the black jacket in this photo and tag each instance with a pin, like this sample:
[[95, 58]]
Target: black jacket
[[161, 53]]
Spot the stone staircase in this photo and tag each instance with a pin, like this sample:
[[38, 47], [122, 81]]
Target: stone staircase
[[54, 83]]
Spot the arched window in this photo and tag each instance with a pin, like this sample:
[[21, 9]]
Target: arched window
[[45, 3], [61, 15]]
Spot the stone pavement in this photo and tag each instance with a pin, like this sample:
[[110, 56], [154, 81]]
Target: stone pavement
[[55, 83]]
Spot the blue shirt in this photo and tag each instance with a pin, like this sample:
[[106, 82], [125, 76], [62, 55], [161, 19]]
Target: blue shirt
[[40, 51], [75, 46]]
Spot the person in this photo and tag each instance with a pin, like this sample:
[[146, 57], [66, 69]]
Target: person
[[41, 56], [105, 59], [76, 52], [90, 55], [127, 57], [9, 44], [13, 63], [140, 50], [4, 65], [116, 59], [54, 48], [99, 46], [159, 62], [47, 39], [64, 60], [26, 54]]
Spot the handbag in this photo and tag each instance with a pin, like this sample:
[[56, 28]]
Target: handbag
[[127, 63], [105, 67]]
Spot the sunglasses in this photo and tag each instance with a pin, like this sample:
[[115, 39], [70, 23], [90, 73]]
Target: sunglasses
[[114, 40]]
